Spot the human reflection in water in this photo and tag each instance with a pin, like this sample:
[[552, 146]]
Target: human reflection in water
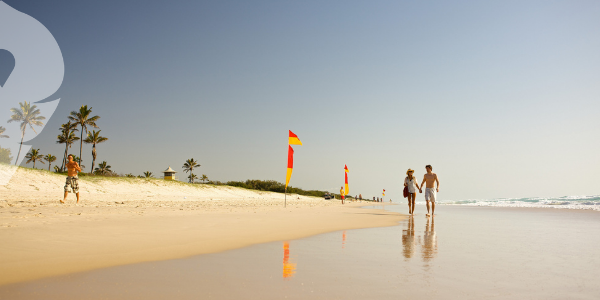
[[289, 269], [430, 247], [408, 238], [343, 239]]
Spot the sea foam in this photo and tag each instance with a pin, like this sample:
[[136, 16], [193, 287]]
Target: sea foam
[[565, 202]]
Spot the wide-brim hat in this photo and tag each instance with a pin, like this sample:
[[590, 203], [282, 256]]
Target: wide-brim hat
[[410, 170]]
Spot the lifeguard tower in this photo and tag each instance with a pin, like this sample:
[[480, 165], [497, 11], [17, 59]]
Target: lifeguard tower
[[170, 174]]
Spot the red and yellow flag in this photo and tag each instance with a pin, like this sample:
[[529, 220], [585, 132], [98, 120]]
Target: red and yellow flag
[[290, 165], [346, 171], [294, 140], [383, 192]]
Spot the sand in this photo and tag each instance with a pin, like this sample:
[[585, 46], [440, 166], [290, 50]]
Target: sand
[[462, 253], [130, 220]]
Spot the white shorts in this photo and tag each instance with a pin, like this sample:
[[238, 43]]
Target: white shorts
[[430, 194]]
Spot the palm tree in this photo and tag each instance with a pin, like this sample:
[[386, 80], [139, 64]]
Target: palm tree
[[27, 115], [191, 177], [94, 138], [204, 178], [56, 169], [50, 159], [2, 130], [189, 166], [103, 169], [68, 138], [147, 174], [84, 119], [129, 175], [34, 156]]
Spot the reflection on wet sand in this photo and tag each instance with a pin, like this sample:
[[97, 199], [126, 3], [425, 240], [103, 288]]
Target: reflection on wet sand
[[289, 269], [408, 238], [343, 239], [429, 248]]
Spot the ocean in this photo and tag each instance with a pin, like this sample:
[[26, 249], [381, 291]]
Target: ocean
[[565, 202]]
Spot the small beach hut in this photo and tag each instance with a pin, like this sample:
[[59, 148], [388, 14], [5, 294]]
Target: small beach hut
[[169, 174]]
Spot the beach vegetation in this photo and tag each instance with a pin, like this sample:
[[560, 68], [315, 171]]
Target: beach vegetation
[[28, 115], [5, 156], [189, 166], [67, 137], [274, 186], [147, 174], [93, 137], [50, 159], [34, 155], [204, 178], [191, 177], [103, 169], [2, 135], [83, 118]]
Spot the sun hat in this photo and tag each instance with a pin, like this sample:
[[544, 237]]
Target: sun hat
[[410, 170]]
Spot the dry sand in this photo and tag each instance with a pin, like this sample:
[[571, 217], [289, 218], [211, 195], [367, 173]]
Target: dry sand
[[130, 220]]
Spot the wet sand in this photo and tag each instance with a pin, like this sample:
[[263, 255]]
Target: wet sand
[[462, 253]]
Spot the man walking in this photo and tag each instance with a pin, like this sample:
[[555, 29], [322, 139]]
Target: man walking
[[430, 192], [72, 179]]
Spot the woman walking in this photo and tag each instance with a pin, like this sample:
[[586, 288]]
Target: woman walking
[[411, 183]]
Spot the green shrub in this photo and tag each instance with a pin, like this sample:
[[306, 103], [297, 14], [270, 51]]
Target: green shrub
[[273, 186]]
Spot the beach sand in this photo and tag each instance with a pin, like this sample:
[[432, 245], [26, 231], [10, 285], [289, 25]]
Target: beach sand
[[129, 220], [463, 253]]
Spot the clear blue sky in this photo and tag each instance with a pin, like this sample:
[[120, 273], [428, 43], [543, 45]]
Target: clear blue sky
[[501, 97]]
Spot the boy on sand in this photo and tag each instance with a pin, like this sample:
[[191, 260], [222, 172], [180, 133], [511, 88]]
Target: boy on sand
[[72, 179], [430, 192]]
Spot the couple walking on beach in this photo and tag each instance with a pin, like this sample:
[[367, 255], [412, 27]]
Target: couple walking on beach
[[410, 182]]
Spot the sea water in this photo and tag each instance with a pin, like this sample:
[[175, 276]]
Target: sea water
[[568, 202]]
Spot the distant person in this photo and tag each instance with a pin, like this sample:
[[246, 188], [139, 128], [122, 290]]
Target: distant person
[[411, 183], [430, 193], [360, 196], [342, 194], [72, 179]]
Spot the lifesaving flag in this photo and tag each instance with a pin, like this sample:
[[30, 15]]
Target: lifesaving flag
[[383, 192], [294, 140], [290, 165], [346, 182]]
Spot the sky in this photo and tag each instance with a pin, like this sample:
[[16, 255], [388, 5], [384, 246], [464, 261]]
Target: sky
[[500, 97]]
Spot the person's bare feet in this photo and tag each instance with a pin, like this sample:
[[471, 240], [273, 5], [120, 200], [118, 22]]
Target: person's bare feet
[[428, 215], [62, 202]]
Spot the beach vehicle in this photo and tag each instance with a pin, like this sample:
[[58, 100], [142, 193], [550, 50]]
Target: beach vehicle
[[328, 196]]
